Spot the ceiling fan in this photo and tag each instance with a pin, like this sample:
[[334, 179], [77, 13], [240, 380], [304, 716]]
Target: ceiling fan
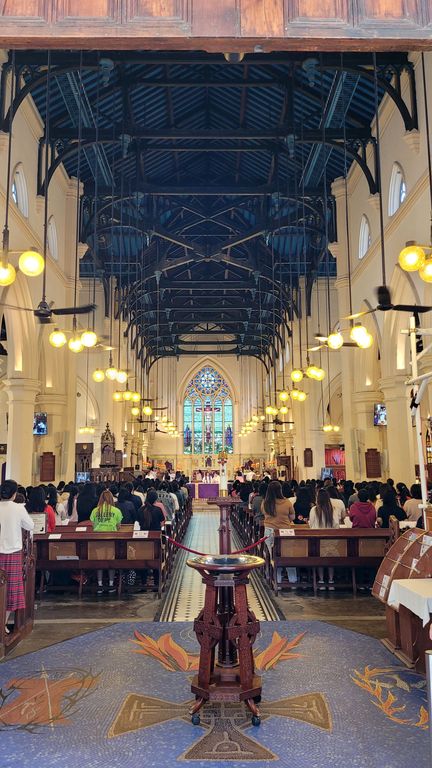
[[45, 311], [385, 304]]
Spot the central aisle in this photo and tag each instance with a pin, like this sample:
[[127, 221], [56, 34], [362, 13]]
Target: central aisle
[[185, 596]]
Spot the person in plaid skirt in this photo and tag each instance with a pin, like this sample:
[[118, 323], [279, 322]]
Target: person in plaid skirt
[[13, 519]]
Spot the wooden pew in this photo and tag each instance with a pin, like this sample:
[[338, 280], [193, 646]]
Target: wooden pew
[[88, 551], [23, 621], [350, 548]]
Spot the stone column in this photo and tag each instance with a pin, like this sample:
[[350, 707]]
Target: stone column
[[58, 427], [372, 437], [22, 397], [402, 457]]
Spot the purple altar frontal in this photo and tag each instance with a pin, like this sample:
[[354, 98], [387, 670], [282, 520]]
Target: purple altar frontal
[[203, 490]]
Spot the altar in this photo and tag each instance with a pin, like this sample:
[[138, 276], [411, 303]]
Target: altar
[[203, 490]]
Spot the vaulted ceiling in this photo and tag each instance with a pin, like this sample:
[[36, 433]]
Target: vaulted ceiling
[[207, 182]]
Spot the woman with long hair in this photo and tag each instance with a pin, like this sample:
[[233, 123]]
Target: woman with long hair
[[105, 517], [13, 520], [150, 518], [36, 505], [278, 513], [71, 504], [302, 506], [324, 515]]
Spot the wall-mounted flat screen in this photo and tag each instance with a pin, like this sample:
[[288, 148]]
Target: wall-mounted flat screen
[[40, 424], [380, 415]]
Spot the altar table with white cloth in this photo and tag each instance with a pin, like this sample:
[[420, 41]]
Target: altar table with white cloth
[[414, 594]]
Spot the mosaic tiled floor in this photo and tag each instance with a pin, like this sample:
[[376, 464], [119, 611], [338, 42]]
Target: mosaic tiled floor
[[185, 596], [118, 698]]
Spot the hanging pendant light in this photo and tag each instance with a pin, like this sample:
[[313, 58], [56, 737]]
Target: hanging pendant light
[[296, 375], [425, 272], [135, 410], [89, 339], [148, 410], [121, 377], [412, 257], [284, 395], [117, 396], [111, 372], [335, 340], [358, 332], [98, 375], [57, 338], [31, 263]]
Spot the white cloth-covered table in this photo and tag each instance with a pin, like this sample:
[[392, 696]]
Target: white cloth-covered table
[[404, 524], [414, 594]]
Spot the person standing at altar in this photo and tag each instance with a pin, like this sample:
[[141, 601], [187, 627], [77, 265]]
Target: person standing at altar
[[198, 477]]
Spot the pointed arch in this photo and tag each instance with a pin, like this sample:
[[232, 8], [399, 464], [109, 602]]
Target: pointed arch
[[207, 412]]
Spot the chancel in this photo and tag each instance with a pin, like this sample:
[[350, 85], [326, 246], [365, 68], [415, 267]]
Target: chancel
[[215, 372]]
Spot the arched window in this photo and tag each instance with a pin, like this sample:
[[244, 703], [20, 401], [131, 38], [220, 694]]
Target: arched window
[[364, 237], [397, 189], [19, 190], [52, 238], [207, 414]]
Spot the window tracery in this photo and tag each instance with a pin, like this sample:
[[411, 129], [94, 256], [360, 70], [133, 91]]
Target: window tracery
[[207, 414]]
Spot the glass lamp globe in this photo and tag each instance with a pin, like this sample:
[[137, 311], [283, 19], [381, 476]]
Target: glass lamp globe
[[31, 263], [89, 339], [301, 396], [426, 271], [7, 274], [295, 394], [121, 377], [136, 397], [98, 375], [127, 395], [335, 340], [75, 344], [336, 428], [91, 430], [135, 411], [311, 371], [57, 338], [147, 410], [111, 373], [283, 410], [412, 257], [255, 419], [327, 428], [319, 374], [296, 375], [262, 417], [284, 396], [365, 341], [358, 332], [117, 396], [269, 410]]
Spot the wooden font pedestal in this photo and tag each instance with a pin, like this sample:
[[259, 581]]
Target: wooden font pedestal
[[226, 623]]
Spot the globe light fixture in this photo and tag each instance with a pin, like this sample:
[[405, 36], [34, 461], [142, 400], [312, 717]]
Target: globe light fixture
[[121, 377], [311, 371], [7, 274], [136, 397], [89, 339], [147, 410], [327, 428], [358, 332], [75, 344], [255, 419], [301, 396], [365, 341], [283, 409], [284, 396], [57, 338], [412, 257], [425, 273], [296, 375], [336, 428], [117, 396], [135, 410], [319, 374], [295, 394], [111, 373], [98, 375], [262, 417], [127, 395], [31, 263], [335, 340]]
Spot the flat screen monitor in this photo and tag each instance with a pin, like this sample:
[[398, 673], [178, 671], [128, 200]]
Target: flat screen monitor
[[380, 415], [82, 477], [40, 424]]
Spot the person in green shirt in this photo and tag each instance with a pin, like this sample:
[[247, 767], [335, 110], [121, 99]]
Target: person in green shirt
[[106, 517]]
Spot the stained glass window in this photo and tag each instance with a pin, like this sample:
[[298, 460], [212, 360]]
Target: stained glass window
[[207, 414]]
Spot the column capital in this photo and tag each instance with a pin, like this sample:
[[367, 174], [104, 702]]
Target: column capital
[[368, 397], [52, 401], [394, 386], [338, 187], [22, 389]]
